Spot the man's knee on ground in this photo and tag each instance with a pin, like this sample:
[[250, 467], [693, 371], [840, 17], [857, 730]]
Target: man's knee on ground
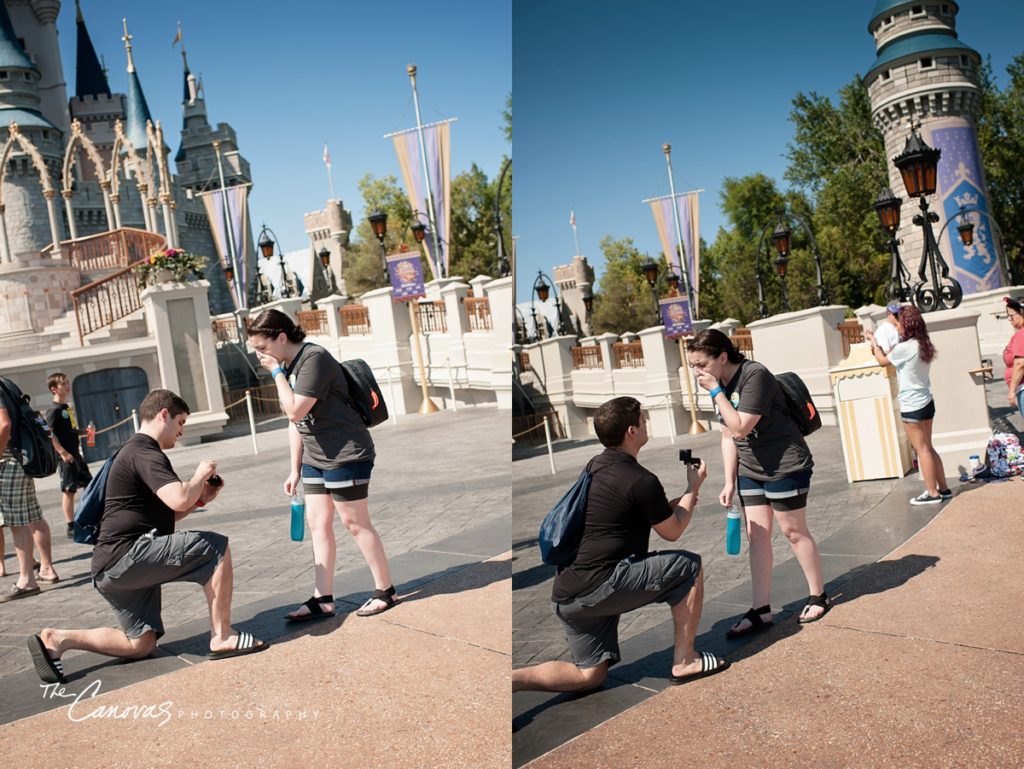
[[143, 646], [593, 677]]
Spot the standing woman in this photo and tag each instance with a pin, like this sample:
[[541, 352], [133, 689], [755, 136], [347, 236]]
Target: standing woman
[[332, 453], [1013, 355], [913, 358], [768, 462]]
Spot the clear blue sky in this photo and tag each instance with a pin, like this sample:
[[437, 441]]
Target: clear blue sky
[[290, 76], [601, 84]]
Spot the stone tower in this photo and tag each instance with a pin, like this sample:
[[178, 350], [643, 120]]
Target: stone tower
[[923, 73]]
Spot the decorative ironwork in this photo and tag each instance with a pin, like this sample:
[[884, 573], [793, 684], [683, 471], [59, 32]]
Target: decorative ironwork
[[313, 322], [478, 310], [432, 317], [105, 301], [587, 356], [627, 354], [355, 319], [852, 333]]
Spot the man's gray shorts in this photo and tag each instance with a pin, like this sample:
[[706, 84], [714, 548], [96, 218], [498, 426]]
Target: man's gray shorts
[[132, 585], [591, 622]]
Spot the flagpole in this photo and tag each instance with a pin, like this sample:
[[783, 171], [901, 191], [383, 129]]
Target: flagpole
[[227, 223], [411, 69], [667, 148]]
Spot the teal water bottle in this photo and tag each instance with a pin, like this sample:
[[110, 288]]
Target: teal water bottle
[[734, 521], [298, 515]]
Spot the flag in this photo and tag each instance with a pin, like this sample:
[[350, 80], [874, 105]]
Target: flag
[[327, 155], [237, 199], [686, 205], [177, 37], [437, 142], [572, 218]]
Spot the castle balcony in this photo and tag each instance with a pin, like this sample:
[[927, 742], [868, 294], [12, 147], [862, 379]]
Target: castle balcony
[[111, 250]]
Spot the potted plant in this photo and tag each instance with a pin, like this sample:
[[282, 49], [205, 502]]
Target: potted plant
[[167, 264]]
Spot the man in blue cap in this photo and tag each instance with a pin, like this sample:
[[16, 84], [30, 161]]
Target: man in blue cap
[[886, 335]]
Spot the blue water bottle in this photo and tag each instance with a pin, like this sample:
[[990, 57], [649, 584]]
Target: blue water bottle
[[734, 521], [298, 515]]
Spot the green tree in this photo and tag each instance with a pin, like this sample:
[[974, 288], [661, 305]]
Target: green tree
[[506, 118], [838, 159], [1001, 142], [623, 300], [365, 268]]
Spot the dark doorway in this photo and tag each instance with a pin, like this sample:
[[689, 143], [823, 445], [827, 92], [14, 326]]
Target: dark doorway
[[105, 398]]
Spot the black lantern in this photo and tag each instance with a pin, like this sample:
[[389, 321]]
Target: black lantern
[[588, 303], [673, 283], [780, 239], [266, 244], [229, 273], [379, 222], [917, 165], [650, 271], [781, 265], [325, 256], [543, 290], [419, 231], [887, 206], [966, 232]]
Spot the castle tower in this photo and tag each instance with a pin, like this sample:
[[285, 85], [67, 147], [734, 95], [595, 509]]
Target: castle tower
[[197, 171], [25, 207], [36, 25], [329, 229], [923, 73]]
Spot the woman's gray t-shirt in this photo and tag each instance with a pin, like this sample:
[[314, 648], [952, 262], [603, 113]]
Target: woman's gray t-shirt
[[333, 434], [775, 447]]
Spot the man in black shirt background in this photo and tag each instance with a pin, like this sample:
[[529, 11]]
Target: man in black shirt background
[[138, 549], [74, 472], [614, 572]]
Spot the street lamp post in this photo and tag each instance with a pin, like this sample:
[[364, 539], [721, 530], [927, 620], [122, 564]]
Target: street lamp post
[[650, 271], [887, 206], [504, 267], [266, 244], [325, 264], [542, 291], [379, 222], [780, 239], [917, 165]]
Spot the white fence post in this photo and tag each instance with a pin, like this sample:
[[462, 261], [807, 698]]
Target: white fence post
[[547, 437], [252, 421]]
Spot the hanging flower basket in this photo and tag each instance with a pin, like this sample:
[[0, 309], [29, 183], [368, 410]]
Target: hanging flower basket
[[168, 264]]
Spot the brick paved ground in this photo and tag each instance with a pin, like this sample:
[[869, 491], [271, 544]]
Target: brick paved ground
[[435, 476]]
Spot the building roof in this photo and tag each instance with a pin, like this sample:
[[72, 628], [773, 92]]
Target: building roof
[[90, 79], [136, 113], [24, 118], [915, 45], [885, 7], [11, 52]]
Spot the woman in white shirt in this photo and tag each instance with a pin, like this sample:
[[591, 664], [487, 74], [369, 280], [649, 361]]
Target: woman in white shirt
[[912, 358]]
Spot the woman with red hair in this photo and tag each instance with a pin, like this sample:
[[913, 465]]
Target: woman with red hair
[[912, 358]]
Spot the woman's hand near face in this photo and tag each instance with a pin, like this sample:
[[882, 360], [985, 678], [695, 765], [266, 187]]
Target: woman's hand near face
[[706, 380], [269, 362]]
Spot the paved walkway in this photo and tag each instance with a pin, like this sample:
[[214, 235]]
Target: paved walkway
[[855, 526], [435, 476], [419, 686], [918, 665]]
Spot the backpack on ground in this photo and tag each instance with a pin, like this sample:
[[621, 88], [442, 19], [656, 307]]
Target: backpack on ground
[[562, 528], [799, 404], [89, 509], [31, 439], [364, 393]]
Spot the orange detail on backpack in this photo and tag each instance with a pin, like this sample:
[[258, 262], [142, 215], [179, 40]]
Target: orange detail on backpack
[[375, 401], [810, 408]]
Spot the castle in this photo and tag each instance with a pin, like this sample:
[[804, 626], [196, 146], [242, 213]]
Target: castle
[[104, 156]]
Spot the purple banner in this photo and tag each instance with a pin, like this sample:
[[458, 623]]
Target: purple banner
[[961, 184], [406, 275], [675, 316]]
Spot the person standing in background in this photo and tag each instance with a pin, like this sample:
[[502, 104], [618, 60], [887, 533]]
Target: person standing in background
[[74, 472]]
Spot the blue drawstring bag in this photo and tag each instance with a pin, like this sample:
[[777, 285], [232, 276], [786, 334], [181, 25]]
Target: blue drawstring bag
[[562, 528]]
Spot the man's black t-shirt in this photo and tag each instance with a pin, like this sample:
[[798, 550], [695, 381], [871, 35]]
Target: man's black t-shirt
[[625, 500], [132, 507], [62, 424]]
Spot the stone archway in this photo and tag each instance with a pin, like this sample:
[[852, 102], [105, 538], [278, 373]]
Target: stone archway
[[26, 145], [78, 142]]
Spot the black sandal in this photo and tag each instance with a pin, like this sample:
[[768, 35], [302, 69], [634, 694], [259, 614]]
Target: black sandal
[[753, 616], [315, 612], [387, 596], [815, 600]]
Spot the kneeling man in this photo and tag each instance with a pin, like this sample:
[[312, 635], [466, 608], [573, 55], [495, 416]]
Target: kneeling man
[[614, 573], [138, 549]]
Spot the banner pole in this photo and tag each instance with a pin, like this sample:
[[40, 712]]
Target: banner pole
[[683, 266], [227, 223], [696, 428], [427, 406], [411, 70]]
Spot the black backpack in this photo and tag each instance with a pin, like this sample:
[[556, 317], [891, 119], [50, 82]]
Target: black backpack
[[30, 436], [562, 528], [364, 393], [798, 402], [89, 510]]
